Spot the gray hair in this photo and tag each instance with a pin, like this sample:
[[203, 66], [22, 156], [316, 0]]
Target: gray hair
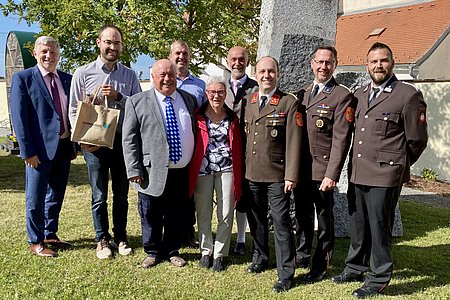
[[45, 40], [216, 79]]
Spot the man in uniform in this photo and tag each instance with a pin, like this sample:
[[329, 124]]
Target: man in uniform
[[274, 131], [330, 115], [239, 86], [390, 135]]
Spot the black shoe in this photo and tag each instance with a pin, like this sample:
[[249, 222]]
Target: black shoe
[[218, 264], [366, 292], [205, 261], [314, 276], [256, 268], [347, 277], [239, 249], [282, 285], [302, 262], [193, 243]]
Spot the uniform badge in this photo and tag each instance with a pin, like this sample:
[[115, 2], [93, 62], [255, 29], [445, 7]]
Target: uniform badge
[[350, 114], [299, 119], [254, 98], [319, 123], [274, 100], [422, 117], [274, 132]]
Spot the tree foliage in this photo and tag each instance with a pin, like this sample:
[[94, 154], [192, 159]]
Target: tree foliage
[[210, 27]]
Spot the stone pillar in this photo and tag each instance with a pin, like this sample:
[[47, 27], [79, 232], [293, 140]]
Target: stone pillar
[[290, 31]]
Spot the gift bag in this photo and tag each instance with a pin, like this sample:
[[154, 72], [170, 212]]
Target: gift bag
[[95, 124]]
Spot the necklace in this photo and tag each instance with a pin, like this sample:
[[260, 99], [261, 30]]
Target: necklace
[[214, 117]]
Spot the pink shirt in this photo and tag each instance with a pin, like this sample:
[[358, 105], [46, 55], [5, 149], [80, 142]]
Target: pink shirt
[[62, 97]]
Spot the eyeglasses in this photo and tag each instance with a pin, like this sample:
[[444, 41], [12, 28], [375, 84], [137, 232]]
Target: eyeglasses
[[220, 93], [324, 62], [109, 43]]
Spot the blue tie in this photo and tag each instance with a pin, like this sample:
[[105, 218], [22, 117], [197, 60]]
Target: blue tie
[[173, 134]]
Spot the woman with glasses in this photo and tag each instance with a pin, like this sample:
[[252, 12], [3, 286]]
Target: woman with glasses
[[216, 166]]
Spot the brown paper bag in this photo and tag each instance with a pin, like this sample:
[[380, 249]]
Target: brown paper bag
[[95, 124]]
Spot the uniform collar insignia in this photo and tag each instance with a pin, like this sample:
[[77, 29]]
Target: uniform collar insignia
[[274, 100], [255, 97]]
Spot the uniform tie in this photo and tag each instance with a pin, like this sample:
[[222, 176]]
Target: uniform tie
[[375, 91], [57, 102], [314, 92], [262, 102], [173, 134]]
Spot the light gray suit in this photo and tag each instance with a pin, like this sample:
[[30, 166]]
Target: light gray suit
[[145, 146]]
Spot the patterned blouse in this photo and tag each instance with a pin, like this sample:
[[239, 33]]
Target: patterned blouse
[[218, 153]]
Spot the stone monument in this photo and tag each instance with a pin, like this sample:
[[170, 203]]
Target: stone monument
[[290, 31]]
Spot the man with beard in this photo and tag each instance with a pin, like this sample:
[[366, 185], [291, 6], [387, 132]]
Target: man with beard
[[330, 115], [390, 135], [117, 83], [240, 85], [180, 56]]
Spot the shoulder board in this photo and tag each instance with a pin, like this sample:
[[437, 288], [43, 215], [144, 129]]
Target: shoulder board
[[289, 93], [341, 85], [410, 84]]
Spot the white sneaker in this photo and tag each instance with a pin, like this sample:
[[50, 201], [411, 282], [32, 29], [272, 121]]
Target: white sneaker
[[103, 250], [123, 248]]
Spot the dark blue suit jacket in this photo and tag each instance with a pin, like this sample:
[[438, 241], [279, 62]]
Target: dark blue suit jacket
[[34, 117]]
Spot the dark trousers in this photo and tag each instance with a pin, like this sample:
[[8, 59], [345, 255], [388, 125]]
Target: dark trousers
[[272, 194], [307, 196], [45, 189], [165, 213], [100, 163], [371, 222]]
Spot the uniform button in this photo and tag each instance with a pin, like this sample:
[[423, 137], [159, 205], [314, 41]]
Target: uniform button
[[363, 129], [254, 152], [360, 142], [366, 116], [256, 133], [306, 111], [282, 160], [254, 143], [325, 156], [257, 123], [391, 162], [385, 118], [359, 154]]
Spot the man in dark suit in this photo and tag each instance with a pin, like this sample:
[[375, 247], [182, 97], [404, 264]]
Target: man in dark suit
[[390, 135], [158, 142], [330, 111], [274, 124], [240, 85], [39, 105]]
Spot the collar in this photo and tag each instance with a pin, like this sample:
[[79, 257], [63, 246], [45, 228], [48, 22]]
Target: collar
[[101, 65], [241, 80], [189, 76], [381, 86], [269, 95], [44, 72], [162, 98], [322, 85]]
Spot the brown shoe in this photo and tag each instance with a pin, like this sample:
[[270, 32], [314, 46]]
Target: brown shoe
[[177, 261], [149, 262], [57, 243], [41, 250]]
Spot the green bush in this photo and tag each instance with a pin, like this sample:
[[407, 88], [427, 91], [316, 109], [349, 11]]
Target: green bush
[[429, 174]]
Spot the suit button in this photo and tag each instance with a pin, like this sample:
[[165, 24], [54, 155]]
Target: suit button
[[363, 129], [360, 142], [391, 162], [359, 155], [366, 116]]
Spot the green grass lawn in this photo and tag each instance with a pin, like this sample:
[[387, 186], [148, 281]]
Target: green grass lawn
[[421, 257]]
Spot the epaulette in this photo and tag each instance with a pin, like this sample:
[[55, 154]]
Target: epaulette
[[345, 87], [292, 94], [410, 84]]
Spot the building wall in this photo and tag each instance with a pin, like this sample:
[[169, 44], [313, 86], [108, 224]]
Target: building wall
[[353, 6], [436, 66]]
